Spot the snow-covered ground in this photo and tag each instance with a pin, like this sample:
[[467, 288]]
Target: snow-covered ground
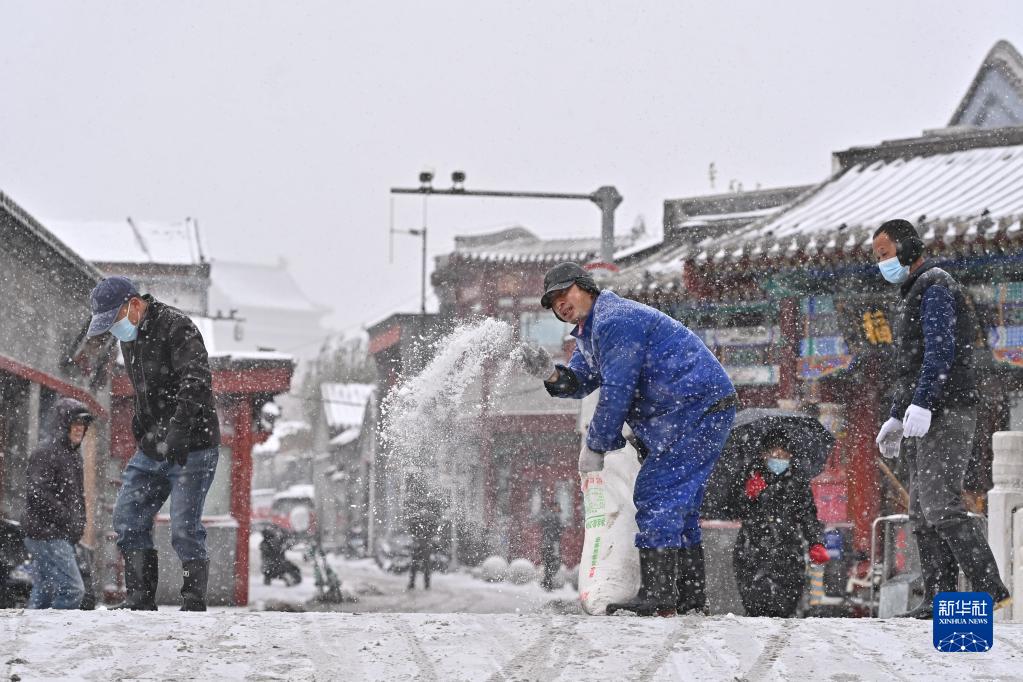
[[378, 591], [235, 644], [466, 629]]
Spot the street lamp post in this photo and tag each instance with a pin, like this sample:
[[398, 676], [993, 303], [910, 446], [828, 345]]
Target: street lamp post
[[607, 199]]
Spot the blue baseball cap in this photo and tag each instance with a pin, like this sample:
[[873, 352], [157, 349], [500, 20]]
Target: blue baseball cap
[[106, 299]]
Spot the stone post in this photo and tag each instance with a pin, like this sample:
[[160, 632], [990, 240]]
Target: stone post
[[1004, 500]]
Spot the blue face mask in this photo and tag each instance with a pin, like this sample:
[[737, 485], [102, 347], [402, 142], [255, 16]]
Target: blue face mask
[[893, 271], [777, 466], [124, 330]]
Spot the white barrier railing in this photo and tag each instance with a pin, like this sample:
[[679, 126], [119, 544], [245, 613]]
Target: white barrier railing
[[1005, 516]]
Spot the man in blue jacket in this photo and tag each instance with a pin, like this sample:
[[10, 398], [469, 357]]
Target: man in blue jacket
[[658, 377], [934, 415]]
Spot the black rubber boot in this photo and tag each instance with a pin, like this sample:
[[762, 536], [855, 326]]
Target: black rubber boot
[[974, 555], [193, 585], [691, 581], [658, 590], [938, 568], [141, 574]]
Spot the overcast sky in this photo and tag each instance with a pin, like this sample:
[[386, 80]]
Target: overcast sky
[[281, 126]]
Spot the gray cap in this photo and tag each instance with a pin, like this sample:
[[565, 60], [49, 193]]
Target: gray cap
[[562, 276]]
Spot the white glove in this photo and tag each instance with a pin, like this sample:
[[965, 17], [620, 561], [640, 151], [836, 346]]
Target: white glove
[[590, 460], [916, 423], [889, 438], [536, 360]]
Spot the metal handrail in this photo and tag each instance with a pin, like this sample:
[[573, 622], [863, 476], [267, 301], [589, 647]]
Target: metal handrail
[[873, 554], [874, 606]]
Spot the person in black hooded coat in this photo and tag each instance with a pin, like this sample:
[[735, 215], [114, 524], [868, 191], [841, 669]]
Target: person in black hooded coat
[[779, 517], [54, 517]]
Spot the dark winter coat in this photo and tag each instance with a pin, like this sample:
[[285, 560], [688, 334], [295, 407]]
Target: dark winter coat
[[170, 372], [935, 334], [54, 497], [776, 527]]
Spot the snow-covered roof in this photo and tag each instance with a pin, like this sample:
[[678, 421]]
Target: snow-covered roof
[[297, 491], [344, 404], [282, 429], [694, 220], [207, 328], [519, 245], [995, 96], [48, 237], [946, 186], [968, 191], [133, 241], [258, 285], [349, 435]]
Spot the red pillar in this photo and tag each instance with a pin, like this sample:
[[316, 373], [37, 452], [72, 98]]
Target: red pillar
[[862, 475], [241, 494], [788, 323]]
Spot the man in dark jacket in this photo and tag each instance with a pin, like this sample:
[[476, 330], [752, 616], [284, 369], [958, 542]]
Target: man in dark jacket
[[934, 416], [55, 508], [178, 436], [779, 517], [658, 377]]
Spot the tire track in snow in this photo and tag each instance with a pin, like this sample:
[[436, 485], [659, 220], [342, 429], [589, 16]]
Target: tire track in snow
[[1009, 643], [408, 635], [532, 663], [840, 641], [677, 635], [326, 658], [773, 648]]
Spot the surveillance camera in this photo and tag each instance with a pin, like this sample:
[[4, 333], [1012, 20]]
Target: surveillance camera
[[426, 177], [458, 177]]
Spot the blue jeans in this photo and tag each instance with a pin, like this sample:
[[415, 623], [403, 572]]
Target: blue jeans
[[56, 580], [145, 486]]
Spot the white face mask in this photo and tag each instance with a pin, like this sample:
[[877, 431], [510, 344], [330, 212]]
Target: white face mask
[[777, 466]]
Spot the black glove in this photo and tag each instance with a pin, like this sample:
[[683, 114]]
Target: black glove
[[149, 445], [175, 445]]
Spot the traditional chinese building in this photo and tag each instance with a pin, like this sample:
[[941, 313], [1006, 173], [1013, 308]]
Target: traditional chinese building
[[795, 308]]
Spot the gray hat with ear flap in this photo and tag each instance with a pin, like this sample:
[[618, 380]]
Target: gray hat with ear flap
[[562, 276]]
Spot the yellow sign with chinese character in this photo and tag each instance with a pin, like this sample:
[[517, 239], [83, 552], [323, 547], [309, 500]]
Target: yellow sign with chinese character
[[876, 328]]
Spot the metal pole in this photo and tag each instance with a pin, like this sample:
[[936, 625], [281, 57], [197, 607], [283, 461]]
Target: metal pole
[[608, 199], [422, 297]]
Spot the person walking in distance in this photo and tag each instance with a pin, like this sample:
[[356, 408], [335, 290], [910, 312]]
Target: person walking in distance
[[934, 415], [177, 434]]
